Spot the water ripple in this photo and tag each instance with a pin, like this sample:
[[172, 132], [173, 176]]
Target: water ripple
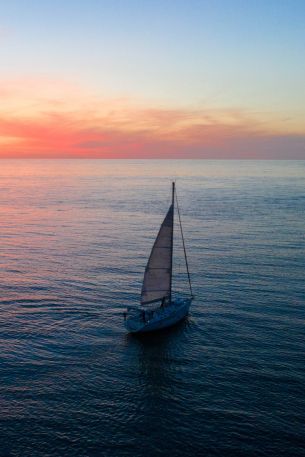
[[228, 381]]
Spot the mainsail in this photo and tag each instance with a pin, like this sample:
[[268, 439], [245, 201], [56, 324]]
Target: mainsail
[[158, 272]]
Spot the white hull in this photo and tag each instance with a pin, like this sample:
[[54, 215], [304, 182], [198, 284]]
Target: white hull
[[157, 319]]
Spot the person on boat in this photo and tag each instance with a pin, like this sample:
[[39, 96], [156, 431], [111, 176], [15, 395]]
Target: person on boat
[[163, 302]]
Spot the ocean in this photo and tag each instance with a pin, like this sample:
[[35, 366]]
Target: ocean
[[227, 381]]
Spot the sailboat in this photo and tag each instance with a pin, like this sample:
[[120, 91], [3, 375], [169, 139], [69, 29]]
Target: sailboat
[[159, 308]]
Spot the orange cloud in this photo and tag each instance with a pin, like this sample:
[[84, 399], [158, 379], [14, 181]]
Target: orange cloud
[[45, 118]]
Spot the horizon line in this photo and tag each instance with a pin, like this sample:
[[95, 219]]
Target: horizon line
[[247, 159]]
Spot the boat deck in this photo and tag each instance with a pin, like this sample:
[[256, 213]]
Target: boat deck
[[145, 320]]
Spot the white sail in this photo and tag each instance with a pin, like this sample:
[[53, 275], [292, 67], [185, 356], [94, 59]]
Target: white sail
[[158, 272]]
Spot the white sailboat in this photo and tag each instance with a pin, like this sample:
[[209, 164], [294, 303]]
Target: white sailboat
[[159, 309]]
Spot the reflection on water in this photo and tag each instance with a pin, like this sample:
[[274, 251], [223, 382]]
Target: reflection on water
[[157, 353], [75, 237]]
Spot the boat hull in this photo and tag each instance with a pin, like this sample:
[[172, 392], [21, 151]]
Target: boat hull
[[160, 318]]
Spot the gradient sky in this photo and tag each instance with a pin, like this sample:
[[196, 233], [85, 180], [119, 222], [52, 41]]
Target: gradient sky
[[210, 79]]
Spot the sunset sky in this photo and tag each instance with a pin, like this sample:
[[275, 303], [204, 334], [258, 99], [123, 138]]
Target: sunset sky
[[152, 79]]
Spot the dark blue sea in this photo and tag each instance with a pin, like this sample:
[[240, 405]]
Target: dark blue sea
[[229, 381]]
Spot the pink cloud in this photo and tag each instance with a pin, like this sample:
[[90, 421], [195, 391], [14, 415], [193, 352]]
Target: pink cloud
[[44, 119]]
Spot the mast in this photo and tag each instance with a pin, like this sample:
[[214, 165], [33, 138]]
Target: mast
[[172, 245]]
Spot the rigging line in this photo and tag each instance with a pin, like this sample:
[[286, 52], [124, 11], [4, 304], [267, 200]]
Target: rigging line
[[172, 242], [183, 243]]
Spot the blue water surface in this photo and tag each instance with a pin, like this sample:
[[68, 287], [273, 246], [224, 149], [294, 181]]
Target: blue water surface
[[75, 238]]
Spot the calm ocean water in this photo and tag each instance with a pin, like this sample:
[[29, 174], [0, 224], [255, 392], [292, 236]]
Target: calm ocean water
[[228, 381]]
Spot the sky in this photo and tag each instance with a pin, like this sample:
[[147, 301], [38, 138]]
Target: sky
[[217, 79]]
